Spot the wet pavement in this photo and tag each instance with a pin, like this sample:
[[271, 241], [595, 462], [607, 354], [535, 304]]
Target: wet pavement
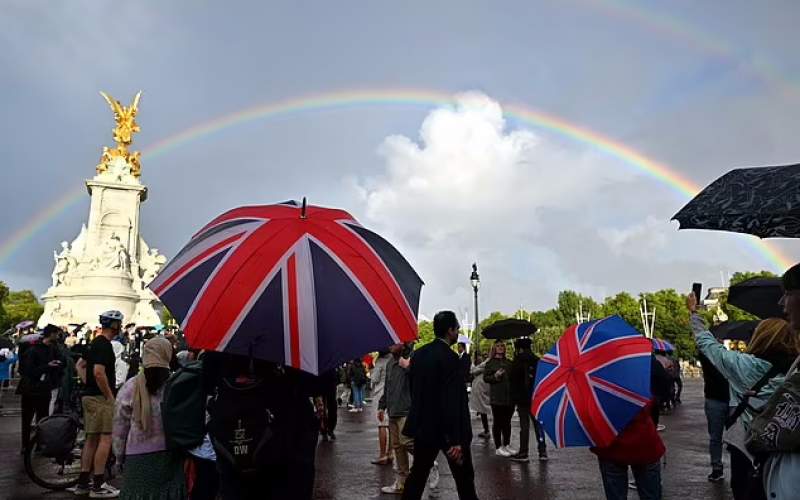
[[344, 470]]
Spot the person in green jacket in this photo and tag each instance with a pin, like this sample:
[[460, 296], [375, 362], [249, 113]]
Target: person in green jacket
[[496, 374], [773, 345]]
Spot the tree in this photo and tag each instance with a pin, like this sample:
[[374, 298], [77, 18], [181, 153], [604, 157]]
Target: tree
[[20, 306], [425, 333], [623, 304], [741, 276], [4, 322], [570, 303]]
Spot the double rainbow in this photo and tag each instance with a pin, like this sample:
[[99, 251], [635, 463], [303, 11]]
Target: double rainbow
[[425, 99]]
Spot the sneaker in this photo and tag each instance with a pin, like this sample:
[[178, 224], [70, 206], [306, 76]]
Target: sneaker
[[484, 435], [433, 479], [353, 410], [502, 452], [661, 427], [510, 450], [80, 490], [104, 491], [543, 456], [716, 476], [394, 489], [521, 458]]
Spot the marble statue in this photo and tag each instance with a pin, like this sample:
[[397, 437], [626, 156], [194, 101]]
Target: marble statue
[[109, 264]]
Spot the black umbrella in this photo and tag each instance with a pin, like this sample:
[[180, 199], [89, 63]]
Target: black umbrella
[[509, 329], [758, 296], [763, 201], [735, 330]]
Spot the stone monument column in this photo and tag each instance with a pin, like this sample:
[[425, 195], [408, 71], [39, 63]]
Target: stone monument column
[[109, 264]]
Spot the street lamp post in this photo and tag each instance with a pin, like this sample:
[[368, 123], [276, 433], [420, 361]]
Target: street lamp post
[[475, 280]]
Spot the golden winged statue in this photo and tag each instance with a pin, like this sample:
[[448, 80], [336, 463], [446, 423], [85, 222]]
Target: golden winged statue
[[125, 116]]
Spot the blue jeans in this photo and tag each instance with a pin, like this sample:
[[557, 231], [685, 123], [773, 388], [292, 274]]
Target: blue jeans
[[358, 396], [716, 413], [615, 480]]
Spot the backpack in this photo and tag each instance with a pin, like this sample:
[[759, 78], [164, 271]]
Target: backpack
[[56, 435], [183, 407], [242, 426]]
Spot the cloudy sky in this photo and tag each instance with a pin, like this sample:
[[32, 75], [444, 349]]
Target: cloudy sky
[[699, 91]]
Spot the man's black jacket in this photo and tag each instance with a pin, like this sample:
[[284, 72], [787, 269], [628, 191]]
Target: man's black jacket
[[439, 413], [523, 373]]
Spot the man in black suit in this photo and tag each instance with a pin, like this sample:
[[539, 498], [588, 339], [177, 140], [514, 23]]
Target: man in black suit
[[439, 416]]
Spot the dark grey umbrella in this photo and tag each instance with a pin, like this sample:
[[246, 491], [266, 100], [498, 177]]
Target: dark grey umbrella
[[763, 201], [509, 329], [758, 296]]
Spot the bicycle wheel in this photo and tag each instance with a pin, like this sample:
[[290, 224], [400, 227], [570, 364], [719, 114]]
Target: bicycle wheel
[[52, 473]]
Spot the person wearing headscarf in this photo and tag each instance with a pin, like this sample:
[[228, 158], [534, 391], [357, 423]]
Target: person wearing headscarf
[[151, 471]]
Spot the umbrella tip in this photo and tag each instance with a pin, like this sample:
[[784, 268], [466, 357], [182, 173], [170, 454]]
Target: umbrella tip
[[303, 209]]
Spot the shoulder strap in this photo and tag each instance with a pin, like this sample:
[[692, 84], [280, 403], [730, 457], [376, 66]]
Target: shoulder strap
[[743, 404]]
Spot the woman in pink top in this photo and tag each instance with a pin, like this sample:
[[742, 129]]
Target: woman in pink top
[[151, 471]]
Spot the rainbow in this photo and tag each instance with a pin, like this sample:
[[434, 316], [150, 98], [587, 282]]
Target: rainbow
[[425, 99], [662, 22]]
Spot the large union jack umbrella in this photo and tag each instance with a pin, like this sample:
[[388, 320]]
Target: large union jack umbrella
[[306, 287], [592, 383]]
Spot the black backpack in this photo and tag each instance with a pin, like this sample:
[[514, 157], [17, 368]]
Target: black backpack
[[183, 407], [242, 426], [56, 435]]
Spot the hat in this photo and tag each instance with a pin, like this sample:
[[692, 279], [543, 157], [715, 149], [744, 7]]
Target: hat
[[791, 278], [157, 353]]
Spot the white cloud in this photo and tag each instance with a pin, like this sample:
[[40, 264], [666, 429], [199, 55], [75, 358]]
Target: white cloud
[[647, 237], [473, 189]]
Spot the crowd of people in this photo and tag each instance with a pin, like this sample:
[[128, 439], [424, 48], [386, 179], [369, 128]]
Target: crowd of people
[[261, 422]]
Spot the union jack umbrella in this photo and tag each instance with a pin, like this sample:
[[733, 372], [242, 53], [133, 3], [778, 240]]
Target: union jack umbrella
[[307, 287], [592, 383], [662, 345]]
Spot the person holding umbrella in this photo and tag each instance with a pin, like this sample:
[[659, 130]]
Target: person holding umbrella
[[758, 371], [522, 374]]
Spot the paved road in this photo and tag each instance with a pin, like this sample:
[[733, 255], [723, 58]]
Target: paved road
[[344, 471]]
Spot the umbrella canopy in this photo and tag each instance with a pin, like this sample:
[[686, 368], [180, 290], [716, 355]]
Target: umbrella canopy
[[509, 329], [764, 201], [307, 287], [735, 330], [758, 296], [592, 383], [662, 345]]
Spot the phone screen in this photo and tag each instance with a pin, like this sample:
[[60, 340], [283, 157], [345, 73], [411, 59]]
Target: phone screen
[[697, 289]]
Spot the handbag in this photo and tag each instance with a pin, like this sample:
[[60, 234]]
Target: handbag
[[777, 427]]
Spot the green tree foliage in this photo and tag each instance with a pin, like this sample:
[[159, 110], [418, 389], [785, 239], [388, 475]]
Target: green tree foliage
[[625, 305], [425, 333], [3, 316], [20, 306], [739, 277]]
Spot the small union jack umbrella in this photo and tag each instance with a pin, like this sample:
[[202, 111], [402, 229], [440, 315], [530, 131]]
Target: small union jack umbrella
[[592, 383], [304, 286], [662, 345]]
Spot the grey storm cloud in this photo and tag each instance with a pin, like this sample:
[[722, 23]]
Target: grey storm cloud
[[539, 211]]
